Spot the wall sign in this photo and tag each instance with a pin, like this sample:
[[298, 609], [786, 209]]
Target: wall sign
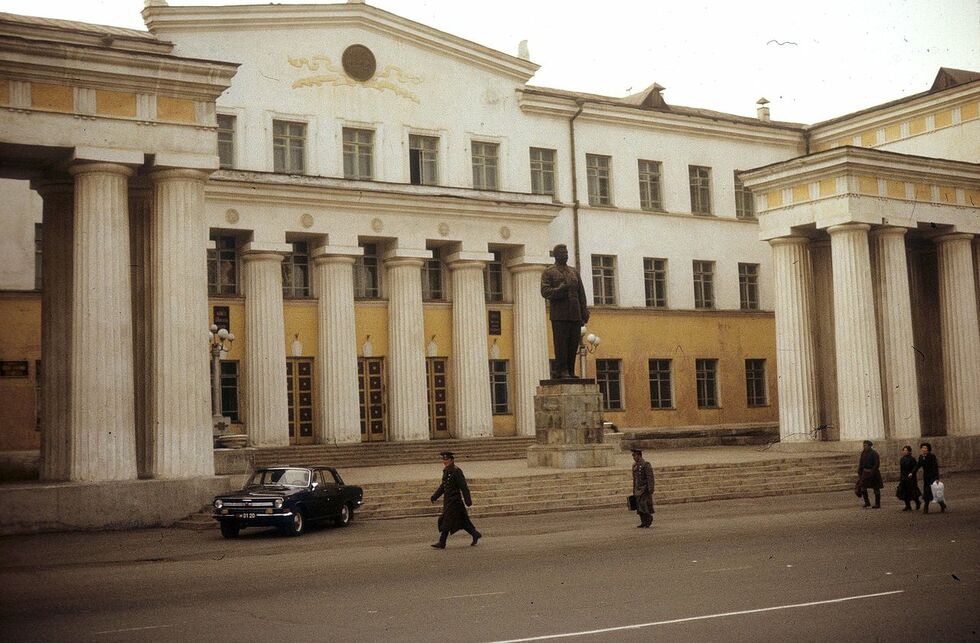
[[222, 318], [493, 323], [13, 368]]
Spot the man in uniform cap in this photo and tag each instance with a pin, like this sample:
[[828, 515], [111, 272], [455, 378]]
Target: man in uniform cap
[[643, 488], [455, 499], [563, 289]]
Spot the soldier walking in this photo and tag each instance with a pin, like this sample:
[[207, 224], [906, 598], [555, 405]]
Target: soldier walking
[[455, 499], [643, 482]]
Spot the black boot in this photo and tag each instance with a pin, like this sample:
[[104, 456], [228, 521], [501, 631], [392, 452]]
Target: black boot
[[917, 504], [942, 507], [864, 495], [877, 499], [925, 508], [442, 540], [908, 506]]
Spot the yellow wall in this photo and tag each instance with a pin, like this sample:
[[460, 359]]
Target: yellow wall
[[371, 319], [20, 318], [56, 98], [504, 425]]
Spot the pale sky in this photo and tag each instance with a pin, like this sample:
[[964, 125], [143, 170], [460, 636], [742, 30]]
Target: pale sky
[[812, 60]]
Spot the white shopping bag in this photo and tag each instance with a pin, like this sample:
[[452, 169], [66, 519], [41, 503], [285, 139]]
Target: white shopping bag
[[938, 491]]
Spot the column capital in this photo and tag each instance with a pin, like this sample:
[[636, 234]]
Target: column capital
[[516, 268], [794, 239], [888, 230], [164, 174], [469, 257], [953, 236], [258, 251], [848, 227], [328, 252], [397, 262], [77, 169], [323, 260]]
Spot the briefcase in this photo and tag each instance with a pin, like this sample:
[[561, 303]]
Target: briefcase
[[631, 502]]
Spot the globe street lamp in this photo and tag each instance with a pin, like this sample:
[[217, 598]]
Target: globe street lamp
[[590, 342], [218, 341]]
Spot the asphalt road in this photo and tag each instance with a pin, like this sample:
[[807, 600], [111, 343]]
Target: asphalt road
[[810, 568]]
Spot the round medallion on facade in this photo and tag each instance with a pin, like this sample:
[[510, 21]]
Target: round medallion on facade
[[443, 229], [359, 62], [306, 220], [231, 215], [504, 232], [377, 224]]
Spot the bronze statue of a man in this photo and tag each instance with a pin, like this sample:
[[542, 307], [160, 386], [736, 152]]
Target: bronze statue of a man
[[563, 288]]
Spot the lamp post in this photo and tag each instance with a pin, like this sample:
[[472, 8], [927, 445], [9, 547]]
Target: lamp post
[[589, 344], [218, 341]]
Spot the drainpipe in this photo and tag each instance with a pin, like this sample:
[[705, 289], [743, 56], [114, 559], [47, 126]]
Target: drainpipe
[[575, 234]]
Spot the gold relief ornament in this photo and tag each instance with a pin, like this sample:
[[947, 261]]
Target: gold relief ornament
[[377, 224], [391, 78], [306, 220], [443, 229], [504, 232], [231, 215]]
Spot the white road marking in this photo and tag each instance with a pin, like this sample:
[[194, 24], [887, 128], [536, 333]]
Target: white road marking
[[133, 629], [700, 618], [472, 595]]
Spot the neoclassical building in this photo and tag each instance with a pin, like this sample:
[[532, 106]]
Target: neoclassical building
[[367, 204]]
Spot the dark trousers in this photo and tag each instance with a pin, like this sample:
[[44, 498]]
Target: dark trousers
[[471, 530], [645, 519], [864, 494], [567, 336]]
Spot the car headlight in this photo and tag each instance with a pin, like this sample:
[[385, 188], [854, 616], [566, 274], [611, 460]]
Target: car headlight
[[218, 504], [277, 503]]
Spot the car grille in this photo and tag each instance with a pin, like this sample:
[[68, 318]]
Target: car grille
[[255, 504]]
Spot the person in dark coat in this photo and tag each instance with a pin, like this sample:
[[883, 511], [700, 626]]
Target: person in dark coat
[[563, 289], [908, 484], [643, 482], [869, 474], [930, 473], [455, 499]]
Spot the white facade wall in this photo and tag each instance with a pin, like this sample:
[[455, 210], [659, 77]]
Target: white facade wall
[[958, 143], [20, 209]]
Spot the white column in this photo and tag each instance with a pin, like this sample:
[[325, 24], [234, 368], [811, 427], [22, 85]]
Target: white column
[[179, 433], [530, 342], [56, 297], [266, 402], [900, 388], [960, 334], [474, 418], [408, 409], [795, 355], [858, 371], [339, 417], [821, 266], [140, 208], [101, 417]]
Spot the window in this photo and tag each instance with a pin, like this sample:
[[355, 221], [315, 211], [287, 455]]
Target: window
[[655, 282], [499, 386], [603, 280], [743, 200], [608, 375], [432, 281], [704, 280], [367, 273], [229, 389], [661, 386], [597, 173], [423, 153], [288, 147], [485, 165], [223, 267], [707, 382], [494, 277], [700, 178], [358, 152], [755, 383], [38, 244], [296, 271], [650, 194], [226, 141], [542, 171], [748, 285]]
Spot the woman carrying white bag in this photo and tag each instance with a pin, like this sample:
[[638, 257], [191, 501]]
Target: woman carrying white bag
[[932, 488]]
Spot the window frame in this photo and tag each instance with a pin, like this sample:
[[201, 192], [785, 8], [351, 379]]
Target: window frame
[[298, 258], [235, 378], [544, 169], [357, 152], [226, 140], [287, 140], [494, 272], [367, 273], [656, 385], [434, 278], [499, 380], [216, 257], [420, 157], [706, 383], [748, 286], [744, 205], [655, 279], [486, 167], [604, 280], [699, 182], [598, 175], [651, 185], [609, 379], [704, 284], [756, 383]]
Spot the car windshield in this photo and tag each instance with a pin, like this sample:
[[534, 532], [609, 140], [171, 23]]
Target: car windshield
[[280, 478]]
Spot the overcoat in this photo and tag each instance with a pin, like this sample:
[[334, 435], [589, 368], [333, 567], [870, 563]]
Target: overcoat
[[561, 286], [455, 499], [908, 488], [868, 470], [930, 473], [643, 483]]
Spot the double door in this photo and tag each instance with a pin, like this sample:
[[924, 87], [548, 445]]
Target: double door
[[299, 389], [437, 394], [371, 392]]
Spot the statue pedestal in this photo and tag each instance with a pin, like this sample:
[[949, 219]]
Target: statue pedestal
[[568, 426]]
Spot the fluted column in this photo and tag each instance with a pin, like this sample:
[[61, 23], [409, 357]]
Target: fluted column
[[893, 303], [474, 417], [960, 334], [858, 371], [530, 342], [56, 298], [796, 359], [101, 417], [339, 419], [266, 409], [822, 269], [407, 413], [179, 434]]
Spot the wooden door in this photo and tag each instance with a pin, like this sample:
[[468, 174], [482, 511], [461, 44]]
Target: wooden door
[[435, 377], [371, 385], [299, 389]]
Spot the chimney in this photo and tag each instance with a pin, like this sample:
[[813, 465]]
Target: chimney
[[762, 110], [522, 51]]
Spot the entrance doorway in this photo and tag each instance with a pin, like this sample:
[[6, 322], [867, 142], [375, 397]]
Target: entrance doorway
[[435, 377], [299, 389], [370, 379]]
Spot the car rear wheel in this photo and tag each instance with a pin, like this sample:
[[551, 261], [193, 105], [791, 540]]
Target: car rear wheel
[[346, 513], [229, 529], [298, 524]]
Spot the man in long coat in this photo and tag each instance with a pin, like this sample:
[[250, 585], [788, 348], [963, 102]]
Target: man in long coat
[[869, 474], [643, 483], [563, 289], [455, 499]]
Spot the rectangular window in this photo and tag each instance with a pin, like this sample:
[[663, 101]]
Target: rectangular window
[[229, 389], [358, 153], [38, 243], [223, 267], [603, 280], [655, 282], [755, 383], [485, 165], [744, 208], [597, 173], [608, 375], [650, 193], [704, 284], [707, 383], [432, 281], [423, 154], [499, 386], [367, 273], [661, 384], [748, 286], [288, 147], [542, 171], [700, 178], [494, 277], [226, 141], [296, 271]]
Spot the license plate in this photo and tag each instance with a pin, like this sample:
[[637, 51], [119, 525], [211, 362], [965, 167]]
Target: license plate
[[250, 514]]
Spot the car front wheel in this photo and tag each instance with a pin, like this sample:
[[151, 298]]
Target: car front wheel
[[346, 513], [297, 525], [229, 529]]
